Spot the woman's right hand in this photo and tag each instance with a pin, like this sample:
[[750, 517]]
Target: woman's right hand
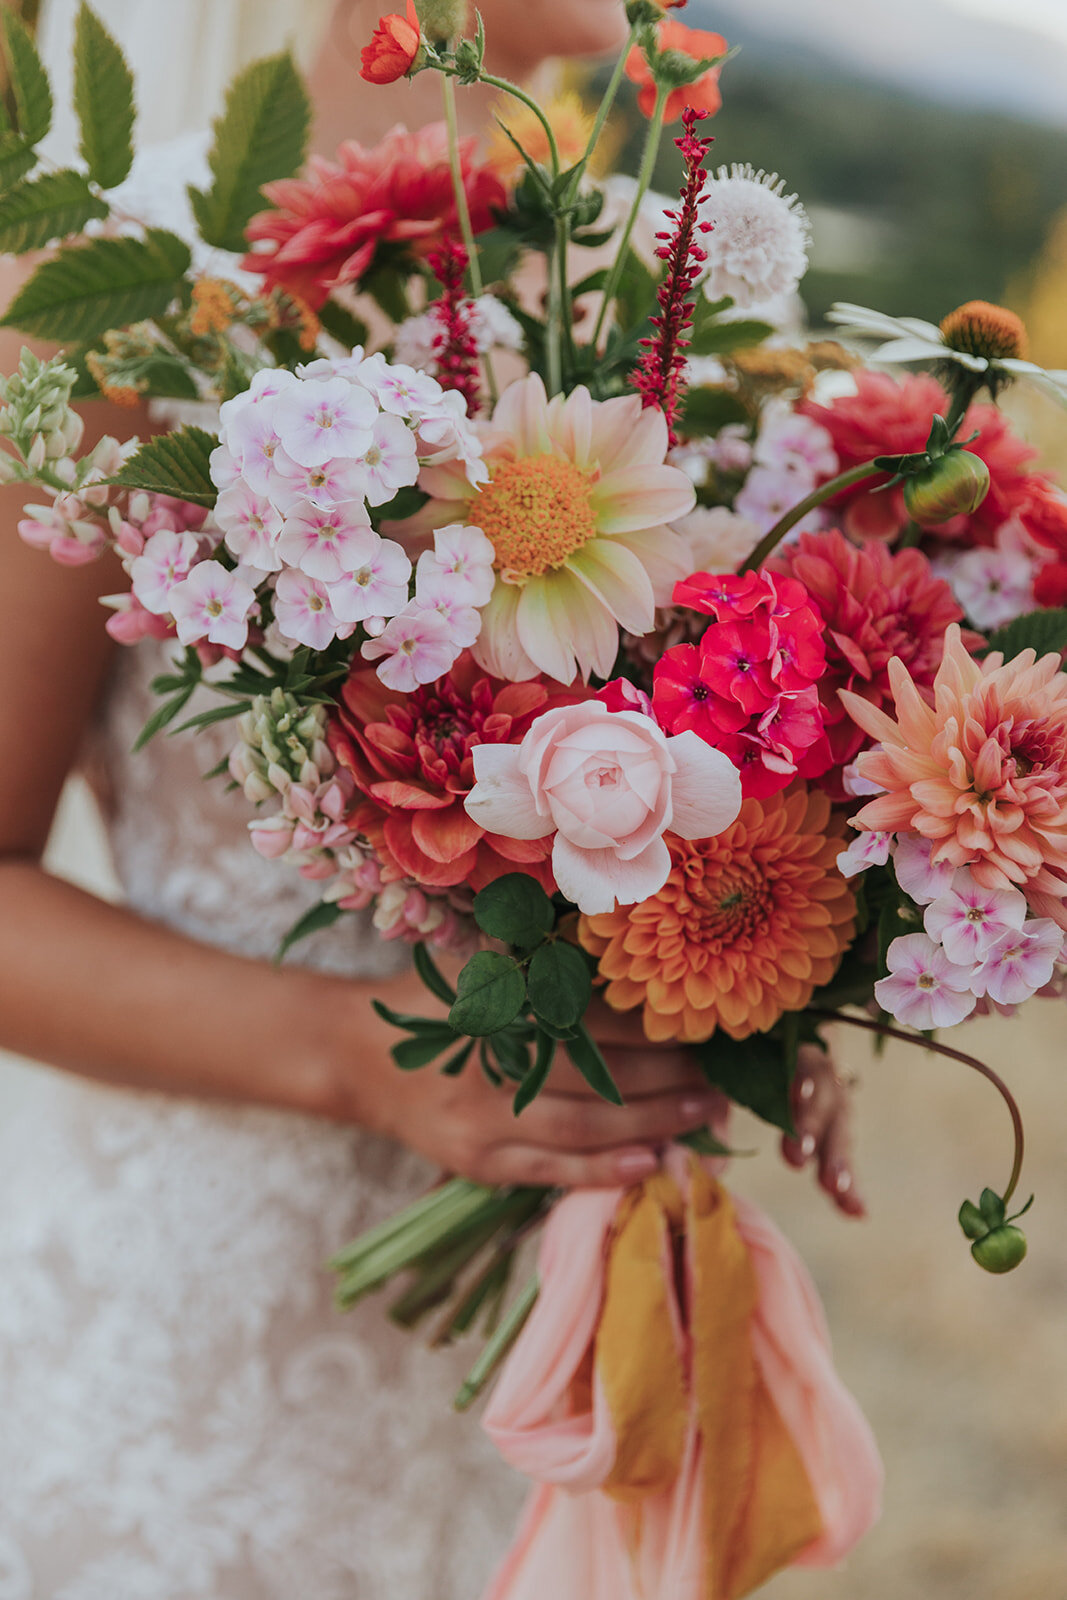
[[567, 1138]]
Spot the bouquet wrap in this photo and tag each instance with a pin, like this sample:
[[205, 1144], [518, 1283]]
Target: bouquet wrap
[[674, 1397]]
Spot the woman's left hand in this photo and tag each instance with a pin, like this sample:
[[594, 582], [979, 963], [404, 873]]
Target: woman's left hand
[[822, 1116]]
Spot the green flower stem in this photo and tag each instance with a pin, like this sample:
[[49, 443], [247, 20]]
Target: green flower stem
[[644, 179], [923, 1043], [557, 267], [966, 385], [817, 497], [448, 92], [605, 106], [511, 1325], [507, 87]]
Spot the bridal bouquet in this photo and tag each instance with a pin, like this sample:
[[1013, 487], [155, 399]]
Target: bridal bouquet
[[575, 618]]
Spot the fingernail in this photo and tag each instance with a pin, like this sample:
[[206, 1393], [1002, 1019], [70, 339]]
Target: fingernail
[[807, 1145], [637, 1164], [698, 1106], [807, 1088], [843, 1181]]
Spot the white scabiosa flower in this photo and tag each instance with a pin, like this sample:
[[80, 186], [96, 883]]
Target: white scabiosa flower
[[758, 249]]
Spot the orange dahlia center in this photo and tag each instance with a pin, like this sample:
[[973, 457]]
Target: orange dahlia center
[[724, 906], [982, 329], [535, 512]]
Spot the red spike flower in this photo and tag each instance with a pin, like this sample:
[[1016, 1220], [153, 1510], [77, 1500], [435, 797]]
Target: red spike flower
[[456, 349]]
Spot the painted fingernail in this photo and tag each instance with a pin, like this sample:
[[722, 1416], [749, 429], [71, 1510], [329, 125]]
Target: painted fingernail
[[637, 1164], [807, 1145], [697, 1106], [843, 1181], [806, 1088]]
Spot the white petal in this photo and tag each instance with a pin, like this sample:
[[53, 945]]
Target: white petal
[[542, 631], [497, 648], [617, 578], [705, 790], [595, 879], [500, 801]]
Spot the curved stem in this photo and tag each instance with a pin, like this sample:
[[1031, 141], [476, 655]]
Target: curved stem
[[922, 1043], [606, 104], [644, 179], [448, 92], [527, 100], [817, 497]]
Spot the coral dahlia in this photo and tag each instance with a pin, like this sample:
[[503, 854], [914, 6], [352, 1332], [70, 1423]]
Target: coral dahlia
[[747, 926], [410, 755], [982, 773], [576, 509]]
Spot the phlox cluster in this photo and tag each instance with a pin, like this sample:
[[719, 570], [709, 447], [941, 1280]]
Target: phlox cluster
[[303, 461], [749, 686], [979, 947]]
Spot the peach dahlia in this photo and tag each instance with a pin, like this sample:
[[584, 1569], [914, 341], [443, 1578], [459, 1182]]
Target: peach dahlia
[[748, 925]]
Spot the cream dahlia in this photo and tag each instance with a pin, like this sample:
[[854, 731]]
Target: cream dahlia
[[982, 773], [577, 509]]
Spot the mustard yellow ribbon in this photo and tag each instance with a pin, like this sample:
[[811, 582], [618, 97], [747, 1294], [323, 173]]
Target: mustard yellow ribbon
[[759, 1507]]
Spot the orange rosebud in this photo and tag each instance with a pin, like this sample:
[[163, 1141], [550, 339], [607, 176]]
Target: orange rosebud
[[674, 43], [394, 49]]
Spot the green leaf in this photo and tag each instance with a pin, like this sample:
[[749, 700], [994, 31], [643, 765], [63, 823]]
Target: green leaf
[[537, 1077], [29, 81], [173, 463], [492, 992], [261, 136], [16, 159], [514, 908], [707, 410], [324, 915], [207, 719], [341, 325], [559, 983], [585, 1053], [103, 99], [161, 717], [713, 338], [1043, 631], [432, 976], [754, 1072], [511, 1053], [455, 1064], [85, 290], [636, 294], [421, 1049], [50, 207]]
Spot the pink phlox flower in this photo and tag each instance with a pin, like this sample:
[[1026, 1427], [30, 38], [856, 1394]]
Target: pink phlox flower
[[129, 622], [327, 542], [768, 493], [267, 383], [791, 442], [622, 695], [992, 585], [855, 785], [303, 610], [167, 560], [253, 440], [1020, 962], [399, 389], [735, 660], [391, 460], [320, 418], [250, 527], [224, 467], [446, 435], [731, 450], [925, 989], [464, 557], [465, 622], [330, 483], [378, 587], [865, 850], [920, 878], [414, 647], [967, 920], [213, 604]]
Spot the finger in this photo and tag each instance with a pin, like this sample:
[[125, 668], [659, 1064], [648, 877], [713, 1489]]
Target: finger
[[561, 1169], [815, 1098], [637, 1072], [588, 1125], [837, 1174]]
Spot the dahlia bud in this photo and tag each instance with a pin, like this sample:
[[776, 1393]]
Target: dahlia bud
[[952, 486], [1002, 1250]]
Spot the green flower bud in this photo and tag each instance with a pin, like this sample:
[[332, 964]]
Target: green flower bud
[[953, 486], [441, 19], [972, 1221], [1000, 1251]]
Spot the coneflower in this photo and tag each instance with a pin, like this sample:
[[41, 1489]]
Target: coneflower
[[659, 376]]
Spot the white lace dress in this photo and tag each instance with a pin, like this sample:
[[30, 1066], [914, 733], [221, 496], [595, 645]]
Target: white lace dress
[[182, 1411]]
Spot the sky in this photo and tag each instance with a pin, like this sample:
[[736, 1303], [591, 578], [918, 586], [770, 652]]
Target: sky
[[1043, 16]]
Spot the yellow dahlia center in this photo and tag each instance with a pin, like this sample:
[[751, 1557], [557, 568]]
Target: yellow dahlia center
[[982, 329], [535, 512]]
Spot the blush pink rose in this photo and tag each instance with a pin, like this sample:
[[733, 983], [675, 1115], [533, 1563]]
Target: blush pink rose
[[609, 785]]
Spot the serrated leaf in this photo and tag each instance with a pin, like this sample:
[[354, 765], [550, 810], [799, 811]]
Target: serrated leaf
[[50, 207], [754, 1072], [537, 1077], [260, 137], [324, 915], [587, 1057], [29, 81], [559, 983], [173, 463], [16, 159], [103, 99], [87, 289], [491, 993], [1043, 631], [514, 908]]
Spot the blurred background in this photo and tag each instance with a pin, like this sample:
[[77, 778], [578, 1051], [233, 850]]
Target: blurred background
[[928, 141]]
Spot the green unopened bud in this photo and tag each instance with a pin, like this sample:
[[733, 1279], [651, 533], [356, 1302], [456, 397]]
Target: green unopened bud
[[441, 19], [1001, 1250], [673, 69], [953, 486], [972, 1221]]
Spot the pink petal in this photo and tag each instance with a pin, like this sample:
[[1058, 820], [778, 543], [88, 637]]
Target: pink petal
[[500, 801], [705, 790]]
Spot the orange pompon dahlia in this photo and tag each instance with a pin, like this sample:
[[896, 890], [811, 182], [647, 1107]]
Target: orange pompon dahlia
[[748, 925], [982, 773]]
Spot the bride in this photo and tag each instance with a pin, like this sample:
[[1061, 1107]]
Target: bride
[[183, 1412]]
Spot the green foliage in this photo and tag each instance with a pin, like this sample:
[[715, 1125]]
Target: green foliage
[[636, 297], [559, 982], [587, 1057], [173, 463], [87, 289], [52, 206], [323, 915], [261, 136], [341, 325], [707, 410], [16, 159], [29, 81], [713, 337], [432, 976], [514, 908], [1043, 631], [755, 1072], [537, 1076], [491, 993], [103, 99]]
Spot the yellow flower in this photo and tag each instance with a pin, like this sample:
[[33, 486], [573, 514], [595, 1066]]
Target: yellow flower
[[570, 122]]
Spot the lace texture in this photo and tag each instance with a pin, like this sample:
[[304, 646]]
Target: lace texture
[[184, 1413]]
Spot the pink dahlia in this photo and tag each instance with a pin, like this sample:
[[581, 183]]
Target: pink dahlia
[[874, 605], [325, 230], [411, 756], [981, 773]]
